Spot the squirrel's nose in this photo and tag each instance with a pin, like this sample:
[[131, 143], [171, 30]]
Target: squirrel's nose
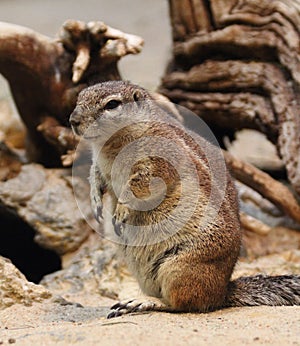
[[74, 120]]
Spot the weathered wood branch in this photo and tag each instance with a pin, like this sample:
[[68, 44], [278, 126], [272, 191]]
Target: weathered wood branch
[[261, 29], [263, 183], [46, 75], [189, 17], [229, 110], [61, 137], [240, 68], [254, 225]]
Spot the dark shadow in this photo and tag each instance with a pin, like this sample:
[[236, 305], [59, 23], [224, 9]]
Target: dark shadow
[[17, 244]]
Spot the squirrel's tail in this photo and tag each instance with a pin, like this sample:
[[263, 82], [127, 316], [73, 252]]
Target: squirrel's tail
[[264, 290]]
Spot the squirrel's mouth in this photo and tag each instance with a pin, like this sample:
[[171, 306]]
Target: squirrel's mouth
[[92, 132], [91, 137], [89, 134]]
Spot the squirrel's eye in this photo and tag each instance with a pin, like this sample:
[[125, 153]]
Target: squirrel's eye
[[112, 104]]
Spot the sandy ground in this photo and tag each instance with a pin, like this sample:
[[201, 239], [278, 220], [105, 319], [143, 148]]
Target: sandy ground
[[50, 324], [69, 325], [54, 323]]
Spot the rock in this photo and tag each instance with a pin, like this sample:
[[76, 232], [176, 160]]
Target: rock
[[15, 289], [44, 199], [94, 269]]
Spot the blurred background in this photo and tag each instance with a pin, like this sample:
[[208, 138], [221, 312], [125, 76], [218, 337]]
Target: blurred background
[[148, 19]]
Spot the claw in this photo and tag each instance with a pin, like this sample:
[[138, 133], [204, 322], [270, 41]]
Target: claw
[[120, 305], [131, 306], [120, 309], [114, 313], [117, 226], [99, 215]]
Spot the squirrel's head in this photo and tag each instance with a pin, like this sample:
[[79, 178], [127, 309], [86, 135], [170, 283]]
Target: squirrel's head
[[108, 102]]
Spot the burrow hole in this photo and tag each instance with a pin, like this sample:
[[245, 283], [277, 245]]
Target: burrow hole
[[17, 244]]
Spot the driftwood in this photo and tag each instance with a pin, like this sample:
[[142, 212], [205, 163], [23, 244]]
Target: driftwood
[[254, 225], [45, 76], [263, 183], [236, 64]]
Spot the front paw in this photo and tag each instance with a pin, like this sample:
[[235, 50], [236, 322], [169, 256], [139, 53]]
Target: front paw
[[120, 218], [97, 206], [98, 212]]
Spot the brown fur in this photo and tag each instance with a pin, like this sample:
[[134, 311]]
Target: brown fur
[[189, 270]]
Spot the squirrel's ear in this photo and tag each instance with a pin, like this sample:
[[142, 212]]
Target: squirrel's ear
[[137, 95]]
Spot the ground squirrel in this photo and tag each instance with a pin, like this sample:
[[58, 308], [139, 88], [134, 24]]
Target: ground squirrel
[[184, 259]]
